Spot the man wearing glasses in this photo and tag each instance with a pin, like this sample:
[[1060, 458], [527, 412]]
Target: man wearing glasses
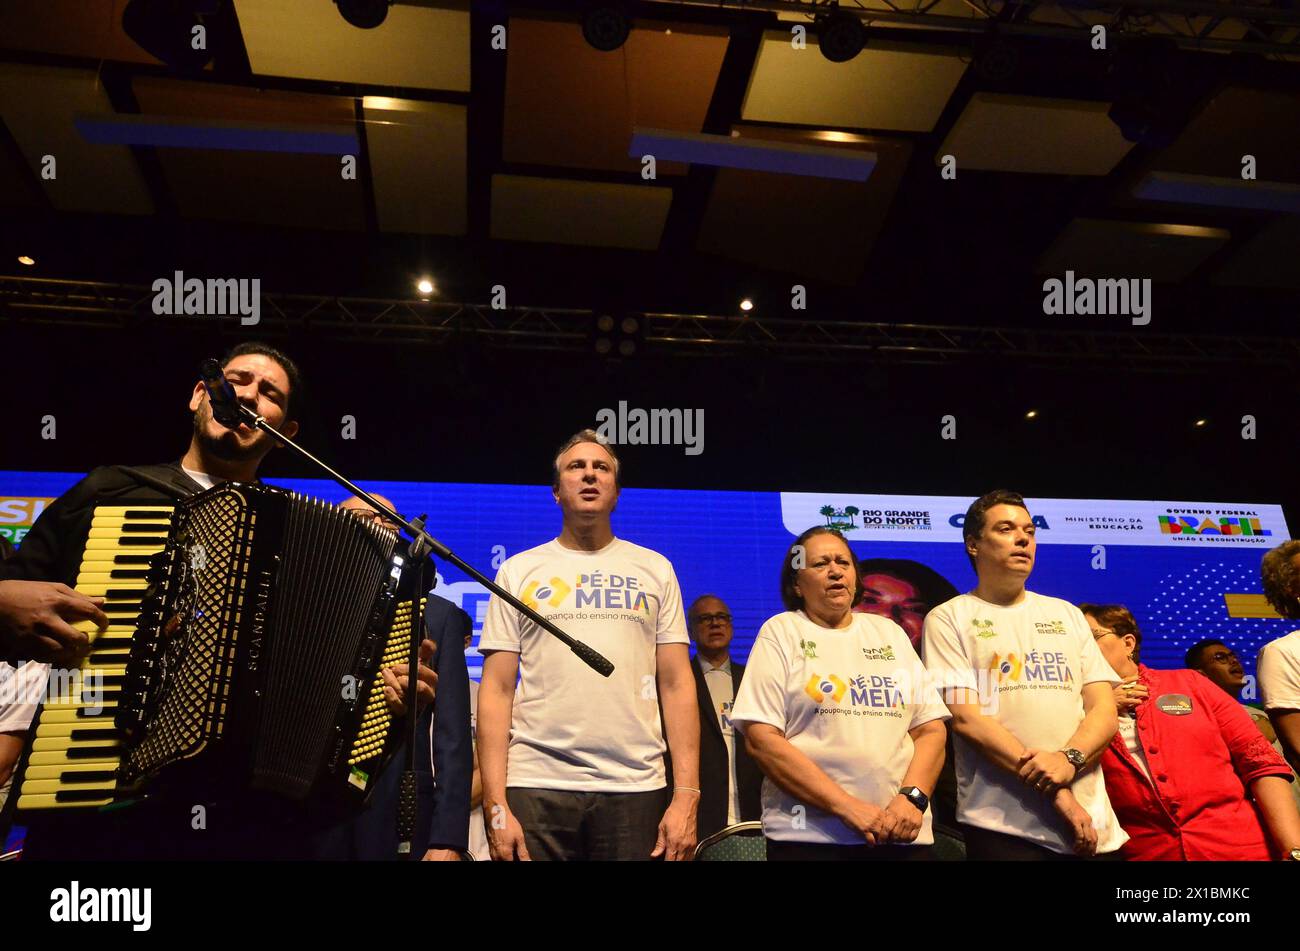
[[1217, 661], [730, 782]]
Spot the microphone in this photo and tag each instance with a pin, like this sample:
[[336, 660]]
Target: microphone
[[221, 395]]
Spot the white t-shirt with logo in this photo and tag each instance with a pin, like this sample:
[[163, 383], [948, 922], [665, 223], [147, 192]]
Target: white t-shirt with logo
[[843, 697], [1029, 663], [572, 728], [1278, 669]]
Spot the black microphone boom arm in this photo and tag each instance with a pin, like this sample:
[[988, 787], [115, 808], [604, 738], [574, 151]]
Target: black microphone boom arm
[[424, 543]]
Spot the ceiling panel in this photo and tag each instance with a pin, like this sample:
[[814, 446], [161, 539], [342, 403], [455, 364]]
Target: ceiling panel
[[1240, 121], [887, 86], [280, 189], [1266, 260], [587, 213], [573, 106], [1165, 253], [420, 47], [817, 228], [90, 28], [38, 104], [417, 160], [1049, 136]]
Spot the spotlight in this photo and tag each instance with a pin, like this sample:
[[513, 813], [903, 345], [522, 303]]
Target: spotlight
[[1201, 422], [996, 59], [1146, 84], [746, 304], [840, 36], [425, 286], [364, 14], [1032, 414], [606, 28], [165, 29], [617, 334], [26, 260]]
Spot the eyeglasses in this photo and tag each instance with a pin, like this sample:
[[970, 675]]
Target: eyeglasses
[[1220, 656], [706, 618], [371, 515]]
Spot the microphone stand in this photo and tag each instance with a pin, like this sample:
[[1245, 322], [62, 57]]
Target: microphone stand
[[421, 546]]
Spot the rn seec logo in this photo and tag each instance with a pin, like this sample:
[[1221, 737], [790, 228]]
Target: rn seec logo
[[76, 904]]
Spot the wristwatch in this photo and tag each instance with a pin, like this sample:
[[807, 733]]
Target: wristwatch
[[1077, 759], [916, 797], [1293, 855]]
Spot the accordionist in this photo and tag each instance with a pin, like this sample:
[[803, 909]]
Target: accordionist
[[269, 383]]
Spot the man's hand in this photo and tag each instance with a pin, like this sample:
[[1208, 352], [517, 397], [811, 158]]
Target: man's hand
[[396, 682], [441, 855], [677, 829], [875, 825], [907, 820], [1045, 770], [505, 834], [1129, 694], [36, 620], [1080, 823]]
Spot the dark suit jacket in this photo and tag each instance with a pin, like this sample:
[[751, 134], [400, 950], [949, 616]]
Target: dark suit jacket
[[715, 772], [442, 818]]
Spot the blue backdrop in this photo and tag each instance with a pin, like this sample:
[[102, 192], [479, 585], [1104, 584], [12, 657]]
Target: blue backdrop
[[731, 544]]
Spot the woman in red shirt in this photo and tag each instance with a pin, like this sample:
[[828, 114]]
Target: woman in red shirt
[[1186, 762]]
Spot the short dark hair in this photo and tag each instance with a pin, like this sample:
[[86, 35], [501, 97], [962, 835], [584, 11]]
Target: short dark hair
[[1119, 619], [295, 398], [581, 436], [790, 574], [1281, 579], [1192, 658], [931, 587], [973, 526]]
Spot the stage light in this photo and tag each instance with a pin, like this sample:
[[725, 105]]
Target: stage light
[[425, 286], [363, 14], [165, 29], [1147, 85], [1032, 414], [840, 36], [996, 59], [618, 333], [1201, 422], [26, 260], [606, 28], [746, 304]]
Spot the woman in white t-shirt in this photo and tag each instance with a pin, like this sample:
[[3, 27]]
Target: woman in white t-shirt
[[838, 714]]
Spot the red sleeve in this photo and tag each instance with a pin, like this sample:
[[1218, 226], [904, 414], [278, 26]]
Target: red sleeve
[[1252, 755]]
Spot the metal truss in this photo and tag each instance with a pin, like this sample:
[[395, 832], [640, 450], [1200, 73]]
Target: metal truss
[[40, 301], [1268, 26]]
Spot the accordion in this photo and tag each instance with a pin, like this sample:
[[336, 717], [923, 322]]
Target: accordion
[[249, 626]]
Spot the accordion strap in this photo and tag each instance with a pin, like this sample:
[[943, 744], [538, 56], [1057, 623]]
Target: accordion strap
[[173, 489]]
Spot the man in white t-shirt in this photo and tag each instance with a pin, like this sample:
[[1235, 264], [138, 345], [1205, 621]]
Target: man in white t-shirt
[[1031, 700], [573, 762], [1278, 666]]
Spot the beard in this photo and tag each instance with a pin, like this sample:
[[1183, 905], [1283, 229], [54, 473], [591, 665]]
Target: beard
[[226, 445]]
